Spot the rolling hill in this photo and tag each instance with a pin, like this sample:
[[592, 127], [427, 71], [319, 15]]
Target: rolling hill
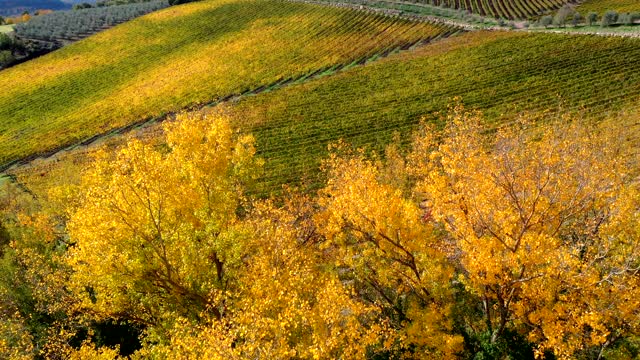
[[501, 73], [510, 230], [499, 9], [601, 6], [181, 57]]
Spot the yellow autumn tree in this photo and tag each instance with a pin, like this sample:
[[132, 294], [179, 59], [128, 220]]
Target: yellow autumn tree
[[540, 230], [288, 304], [36, 306], [307, 311], [158, 241], [156, 235], [383, 244]]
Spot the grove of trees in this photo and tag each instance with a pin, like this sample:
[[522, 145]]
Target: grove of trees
[[473, 243], [10, 48], [69, 25]]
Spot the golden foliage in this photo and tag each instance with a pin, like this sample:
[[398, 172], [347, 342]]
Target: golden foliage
[[379, 236], [287, 304], [15, 341], [307, 312], [156, 233], [473, 238], [87, 351], [528, 210]]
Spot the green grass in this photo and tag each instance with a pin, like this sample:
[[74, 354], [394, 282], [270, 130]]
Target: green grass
[[601, 6], [181, 57], [502, 74], [6, 28]]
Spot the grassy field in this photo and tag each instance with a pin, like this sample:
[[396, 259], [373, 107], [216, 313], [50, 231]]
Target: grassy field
[[503, 74], [601, 6], [6, 28], [180, 57]]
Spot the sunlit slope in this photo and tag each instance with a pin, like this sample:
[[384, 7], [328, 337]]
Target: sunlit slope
[[503, 74], [177, 58], [505, 9], [601, 6]]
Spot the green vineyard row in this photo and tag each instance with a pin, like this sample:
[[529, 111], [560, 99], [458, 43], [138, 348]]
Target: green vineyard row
[[601, 6], [503, 74], [499, 9]]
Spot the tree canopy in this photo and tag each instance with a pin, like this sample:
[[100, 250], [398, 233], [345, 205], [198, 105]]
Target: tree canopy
[[521, 241]]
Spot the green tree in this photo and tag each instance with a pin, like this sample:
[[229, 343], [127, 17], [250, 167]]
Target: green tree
[[178, 2], [6, 43], [610, 18], [577, 19], [560, 19], [6, 58], [82, 6], [546, 21]]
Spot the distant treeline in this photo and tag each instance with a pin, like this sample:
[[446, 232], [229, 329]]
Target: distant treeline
[[105, 3], [17, 7], [9, 48]]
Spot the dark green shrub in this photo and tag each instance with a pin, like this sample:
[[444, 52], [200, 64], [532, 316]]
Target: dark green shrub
[[609, 18], [82, 6], [625, 19], [561, 16], [577, 19], [5, 42], [6, 58], [178, 2], [546, 21], [592, 18]]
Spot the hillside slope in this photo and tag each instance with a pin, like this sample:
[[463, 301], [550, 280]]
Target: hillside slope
[[500, 73], [504, 9], [180, 57], [601, 6]]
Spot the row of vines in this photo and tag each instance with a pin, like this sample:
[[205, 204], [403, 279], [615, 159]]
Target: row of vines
[[501, 74], [601, 6], [508, 9], [183, 57], [501, 9]]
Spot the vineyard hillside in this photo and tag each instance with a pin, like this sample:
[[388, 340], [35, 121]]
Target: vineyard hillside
[[503, 74], [183, 56], [601, 6], [499, 9], [322, 179]]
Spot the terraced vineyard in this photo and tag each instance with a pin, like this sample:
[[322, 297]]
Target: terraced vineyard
[[500, 73], [506, 9], [181, 57], [601, 6]]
